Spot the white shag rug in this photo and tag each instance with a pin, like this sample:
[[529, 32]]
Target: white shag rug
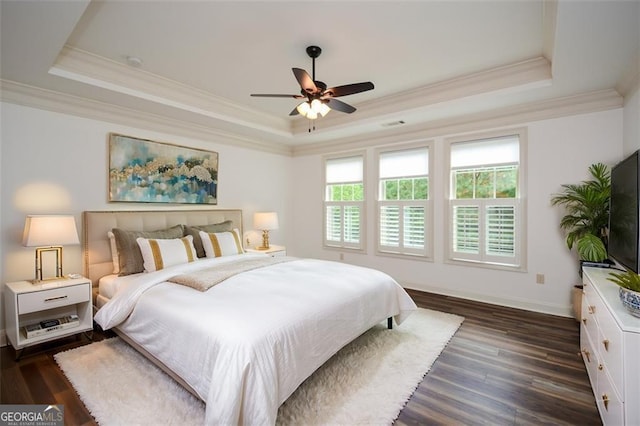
[[366, 383]]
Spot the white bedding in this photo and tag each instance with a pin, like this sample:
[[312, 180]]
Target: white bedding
[[108, 285], [246, 344]]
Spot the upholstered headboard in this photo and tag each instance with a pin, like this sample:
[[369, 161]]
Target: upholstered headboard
[[95, 243]]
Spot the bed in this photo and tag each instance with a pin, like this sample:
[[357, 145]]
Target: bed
[[245, 343]]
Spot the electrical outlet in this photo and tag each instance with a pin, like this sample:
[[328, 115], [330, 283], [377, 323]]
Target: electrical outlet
[[539, 278], [341, 256]]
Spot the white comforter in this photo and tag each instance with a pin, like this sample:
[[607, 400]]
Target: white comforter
[[246, 344]]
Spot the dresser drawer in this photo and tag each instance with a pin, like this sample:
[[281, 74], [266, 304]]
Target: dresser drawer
[[589, 356], [609, 403], [54, 298], [609, 343], [588, 317]]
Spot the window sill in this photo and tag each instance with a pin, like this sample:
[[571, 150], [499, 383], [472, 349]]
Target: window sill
[[486, 265]]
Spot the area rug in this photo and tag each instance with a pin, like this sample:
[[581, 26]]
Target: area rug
[[367, 382]]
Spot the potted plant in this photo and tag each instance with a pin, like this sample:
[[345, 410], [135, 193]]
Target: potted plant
[[629, 290], [587, 207], [586, 221]]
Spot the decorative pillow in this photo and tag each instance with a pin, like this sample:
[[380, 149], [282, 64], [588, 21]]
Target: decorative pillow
[[194, 231], [129, 255], [217, 244], [114, 252], [159, 253]]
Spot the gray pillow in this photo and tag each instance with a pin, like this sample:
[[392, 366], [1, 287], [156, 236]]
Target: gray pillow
[[129, 254], [227, 225]]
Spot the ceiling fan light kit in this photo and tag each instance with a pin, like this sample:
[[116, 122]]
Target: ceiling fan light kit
[[313, 110], [318, 99]]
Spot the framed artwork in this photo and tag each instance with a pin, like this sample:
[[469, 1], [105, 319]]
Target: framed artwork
[[145, 171]]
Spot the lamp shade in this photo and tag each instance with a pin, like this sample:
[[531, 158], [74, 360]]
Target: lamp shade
[[265, 221], [40, 231]]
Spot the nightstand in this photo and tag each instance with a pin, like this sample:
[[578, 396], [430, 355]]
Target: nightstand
[[273, 251], [28, 305]]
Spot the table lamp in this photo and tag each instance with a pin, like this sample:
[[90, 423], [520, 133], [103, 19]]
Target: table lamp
[[265, 221], [49, 234]]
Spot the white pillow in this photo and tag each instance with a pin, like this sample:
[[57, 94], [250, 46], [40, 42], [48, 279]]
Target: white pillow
[[160, 253], [114, 252], [217, 244]]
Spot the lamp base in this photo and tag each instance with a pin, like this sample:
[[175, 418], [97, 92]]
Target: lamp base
[[57, 250], [265, 240], [37, 281]]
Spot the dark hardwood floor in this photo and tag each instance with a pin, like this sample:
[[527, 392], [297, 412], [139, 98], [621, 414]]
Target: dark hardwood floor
[[503, 367]]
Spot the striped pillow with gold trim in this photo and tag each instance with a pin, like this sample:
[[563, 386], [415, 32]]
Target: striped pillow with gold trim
[[160, 253], [217, 244]]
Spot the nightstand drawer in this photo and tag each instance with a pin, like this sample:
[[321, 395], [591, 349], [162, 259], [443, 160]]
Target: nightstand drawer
[[54, 298]]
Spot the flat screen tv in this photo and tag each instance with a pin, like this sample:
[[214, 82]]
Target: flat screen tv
[[623, 213]]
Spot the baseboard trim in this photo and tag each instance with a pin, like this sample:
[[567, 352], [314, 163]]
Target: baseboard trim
[[557, 310]]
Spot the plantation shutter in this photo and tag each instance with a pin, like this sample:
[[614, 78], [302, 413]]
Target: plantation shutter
[[484, 200], [344, 202], [402, 201], [500, 224]]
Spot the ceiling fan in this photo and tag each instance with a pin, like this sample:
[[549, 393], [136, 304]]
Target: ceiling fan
[[318, 99]]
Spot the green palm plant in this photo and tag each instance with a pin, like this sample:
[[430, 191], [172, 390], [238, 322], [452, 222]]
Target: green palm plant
[[587, 207], [628, 279]]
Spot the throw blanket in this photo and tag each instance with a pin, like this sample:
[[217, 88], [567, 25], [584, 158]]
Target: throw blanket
[[207, 278]]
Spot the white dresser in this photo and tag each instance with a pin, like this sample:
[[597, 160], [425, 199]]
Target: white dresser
[[610, 347]]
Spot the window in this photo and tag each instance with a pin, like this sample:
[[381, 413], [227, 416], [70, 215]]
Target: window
[[485, 201], [344, 202], [403, 197]]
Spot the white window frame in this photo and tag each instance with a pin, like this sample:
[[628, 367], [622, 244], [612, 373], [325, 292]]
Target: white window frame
[[401, 250], [518, 262], [342, 205]]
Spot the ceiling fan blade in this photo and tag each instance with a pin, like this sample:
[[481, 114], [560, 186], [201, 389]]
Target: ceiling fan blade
[[340, 106], [305, 80], [348, 89], [269, 95], [294, 112]]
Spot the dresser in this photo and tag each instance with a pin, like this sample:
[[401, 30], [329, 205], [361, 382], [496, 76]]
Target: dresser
[[610, 348]]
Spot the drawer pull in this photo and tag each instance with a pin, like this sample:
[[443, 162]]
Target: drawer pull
[[584, 321], [600, 367], [605, 342], [591, 309], [52, 299], [605, 400], [587, 355]]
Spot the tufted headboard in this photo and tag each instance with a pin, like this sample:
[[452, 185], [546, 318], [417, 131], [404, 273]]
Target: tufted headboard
[[95, 243]]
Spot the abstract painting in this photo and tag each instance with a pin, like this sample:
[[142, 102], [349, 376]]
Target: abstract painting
[[145, 171]]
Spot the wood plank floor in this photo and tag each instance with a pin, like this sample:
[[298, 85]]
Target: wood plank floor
[[503, 367]]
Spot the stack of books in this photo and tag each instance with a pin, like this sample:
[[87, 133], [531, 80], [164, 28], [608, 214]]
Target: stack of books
[[47, 326]]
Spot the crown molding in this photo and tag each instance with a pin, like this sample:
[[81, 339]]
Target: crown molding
[[528, 74], [600, 100], [49, 100], [79, 65], [31, 96]]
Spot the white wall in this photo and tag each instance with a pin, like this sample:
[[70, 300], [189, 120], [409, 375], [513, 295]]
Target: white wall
[[559, 151], [58, 164]]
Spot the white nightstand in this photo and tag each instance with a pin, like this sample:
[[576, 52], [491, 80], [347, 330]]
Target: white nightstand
[[273, 251], [27, 304]]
